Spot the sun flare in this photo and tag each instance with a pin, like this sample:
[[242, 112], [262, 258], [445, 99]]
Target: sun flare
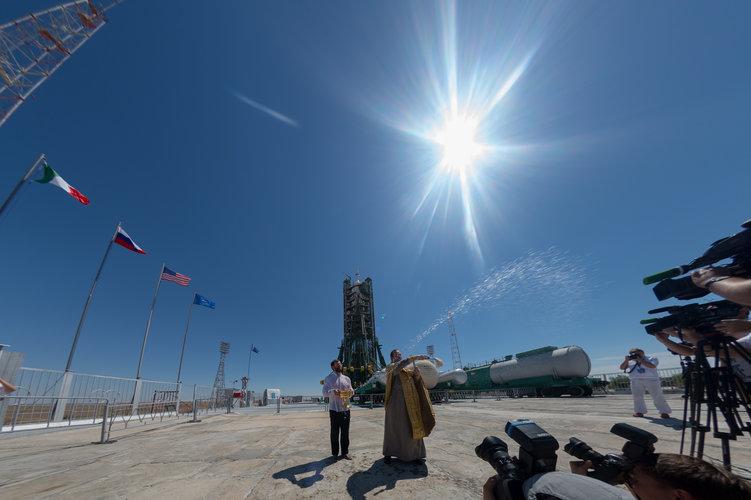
[[457, 138]]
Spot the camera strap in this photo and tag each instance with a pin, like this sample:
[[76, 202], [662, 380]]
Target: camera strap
[[632, 368]]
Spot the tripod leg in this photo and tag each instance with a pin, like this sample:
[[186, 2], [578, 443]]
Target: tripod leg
[[726, 453]]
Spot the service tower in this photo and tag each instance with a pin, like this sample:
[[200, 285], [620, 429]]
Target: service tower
[[360, 352]]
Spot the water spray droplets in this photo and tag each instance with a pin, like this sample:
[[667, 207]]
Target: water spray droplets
[[548, 276]]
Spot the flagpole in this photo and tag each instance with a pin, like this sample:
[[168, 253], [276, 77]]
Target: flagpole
[[88, 300], [251, 352], [20, 183], [148, 323], [180, 367]]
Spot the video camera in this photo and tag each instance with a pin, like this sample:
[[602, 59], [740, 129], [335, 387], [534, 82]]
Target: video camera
[[612, 468], [736, 247], [700, 317], [536, 455]]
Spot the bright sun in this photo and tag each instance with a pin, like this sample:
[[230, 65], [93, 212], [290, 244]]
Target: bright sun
[[458, 141]]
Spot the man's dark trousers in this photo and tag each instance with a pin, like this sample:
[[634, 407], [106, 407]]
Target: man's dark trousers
[[339, 423]]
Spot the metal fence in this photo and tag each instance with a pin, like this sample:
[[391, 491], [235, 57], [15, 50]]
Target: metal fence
[[671, 380], [30, 413], [51, 398], [53, 383], [35, 412]]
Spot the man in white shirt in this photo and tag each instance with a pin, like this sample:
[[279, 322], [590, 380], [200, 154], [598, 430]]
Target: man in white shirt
[[338, 414], [642, 370]]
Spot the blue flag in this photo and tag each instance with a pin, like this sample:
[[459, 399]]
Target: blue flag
[[255, 349], [203, 301]]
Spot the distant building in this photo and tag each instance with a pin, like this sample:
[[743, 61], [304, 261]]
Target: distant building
[[270, 396]]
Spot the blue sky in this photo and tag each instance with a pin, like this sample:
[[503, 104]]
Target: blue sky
[[268, 149]]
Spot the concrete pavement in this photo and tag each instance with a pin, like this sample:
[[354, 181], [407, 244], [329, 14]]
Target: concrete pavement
[[261, 454]]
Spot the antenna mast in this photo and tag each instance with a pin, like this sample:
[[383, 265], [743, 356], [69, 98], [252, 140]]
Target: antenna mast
[[34, 47], [454, 344]]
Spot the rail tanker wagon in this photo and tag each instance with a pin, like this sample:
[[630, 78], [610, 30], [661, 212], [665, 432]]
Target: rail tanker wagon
[[550, 371]]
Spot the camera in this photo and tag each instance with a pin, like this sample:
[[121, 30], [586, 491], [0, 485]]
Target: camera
[[536, 455], [633, 355], [736, 247], [612, 468], [702, 318]]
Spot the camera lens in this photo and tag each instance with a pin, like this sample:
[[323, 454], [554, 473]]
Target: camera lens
[[582, 451], [494, 451], [489, 446]]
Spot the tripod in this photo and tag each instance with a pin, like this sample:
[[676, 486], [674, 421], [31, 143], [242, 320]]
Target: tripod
[[711, 386]]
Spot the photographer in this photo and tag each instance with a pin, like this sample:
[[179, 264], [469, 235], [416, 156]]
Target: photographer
[[533, 474], [672, 476], [642, 371], [719, 280], [647, 475], [560, 486]]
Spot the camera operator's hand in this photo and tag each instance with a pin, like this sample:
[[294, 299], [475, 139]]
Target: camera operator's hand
[[700, 277], [488, 490], [720, 281], [675, 347], [581, 467], [663, 335], [731, 326]]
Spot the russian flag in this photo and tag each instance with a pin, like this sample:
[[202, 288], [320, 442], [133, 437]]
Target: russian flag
[[123, 239]]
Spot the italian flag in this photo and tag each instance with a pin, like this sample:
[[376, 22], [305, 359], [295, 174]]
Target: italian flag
[[52, 177]]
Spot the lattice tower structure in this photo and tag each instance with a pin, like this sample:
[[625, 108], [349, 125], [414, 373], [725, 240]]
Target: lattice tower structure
[[454, 344], [223, 351], [360, 352], [35, 46]]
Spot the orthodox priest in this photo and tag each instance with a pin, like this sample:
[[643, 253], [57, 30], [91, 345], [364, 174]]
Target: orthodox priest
[[409, 415]]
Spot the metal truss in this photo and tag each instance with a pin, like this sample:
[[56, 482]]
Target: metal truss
[[454, 344], [34, 47]]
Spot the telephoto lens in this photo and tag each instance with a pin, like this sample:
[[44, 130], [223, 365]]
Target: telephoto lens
[[582, 451], [609, 468], [494, 451]]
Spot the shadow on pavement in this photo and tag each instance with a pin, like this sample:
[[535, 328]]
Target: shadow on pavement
[[305, 482], [383, 477], [673, 423]]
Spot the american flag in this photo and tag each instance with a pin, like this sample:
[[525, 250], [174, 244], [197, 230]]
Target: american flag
[[170, 275]]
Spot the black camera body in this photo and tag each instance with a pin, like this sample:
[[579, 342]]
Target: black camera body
[[633, 355], [700, 317], [536, 455], [736, 247], [613, 468]]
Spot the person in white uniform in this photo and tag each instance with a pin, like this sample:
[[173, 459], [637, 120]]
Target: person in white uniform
[[642, 370]]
